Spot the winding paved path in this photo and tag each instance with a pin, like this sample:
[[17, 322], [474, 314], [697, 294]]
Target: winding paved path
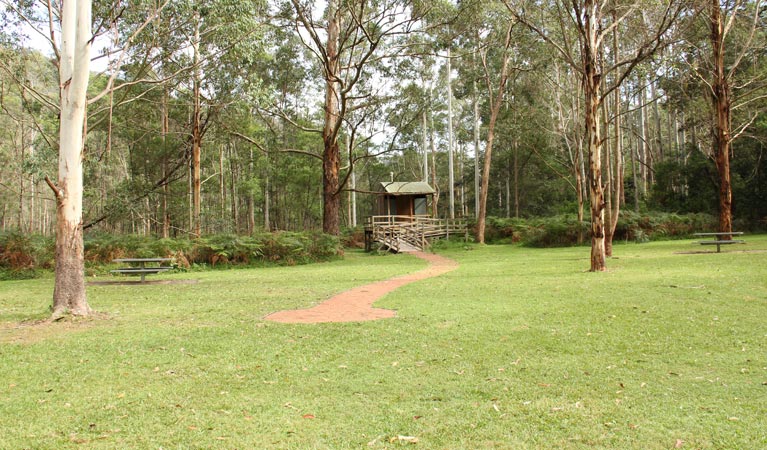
[[356, 305]]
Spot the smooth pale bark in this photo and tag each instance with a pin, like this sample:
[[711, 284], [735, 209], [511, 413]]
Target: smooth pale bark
[[196, 133], [616, 177], [74, 71], [221, 183], [425, 145], [495, 108], [615, 193], [643, 156], [515, 174], [575, 155], [475, 100], [450, 138], [267, 197], [251, 201], [635, 174], [234, 192], [164, 130], [435, 202], [353, 182], [721, 104]]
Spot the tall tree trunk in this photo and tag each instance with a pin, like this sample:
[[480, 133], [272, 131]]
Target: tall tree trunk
[[222, 186], [165, 129], [450, 138], [721, 104], [267, 195], [643, 157], [607, 176], [234, 168], [69, 288], [475, 100], [196, 132], [22, 148], [592, 94], [616, 168], [435, 203], [461, 159], [617, 176], [579, 188], [495, 107], [425, 144], [658, 124], [515, 171], [354, 197], [580, 176], [331, 158], [251, 201], [575, 156]]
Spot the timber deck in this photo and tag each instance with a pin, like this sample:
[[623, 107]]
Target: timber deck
[[409, 233]]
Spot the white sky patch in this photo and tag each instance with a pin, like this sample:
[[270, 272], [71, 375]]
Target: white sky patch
[[37, 35]]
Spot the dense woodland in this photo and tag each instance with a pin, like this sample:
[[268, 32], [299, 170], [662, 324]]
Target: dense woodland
[[231, 116]]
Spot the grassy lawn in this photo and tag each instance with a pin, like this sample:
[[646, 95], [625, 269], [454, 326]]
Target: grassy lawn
[[518, 348]]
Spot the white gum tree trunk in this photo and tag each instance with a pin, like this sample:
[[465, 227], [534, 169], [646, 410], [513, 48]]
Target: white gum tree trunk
[[74, 70]]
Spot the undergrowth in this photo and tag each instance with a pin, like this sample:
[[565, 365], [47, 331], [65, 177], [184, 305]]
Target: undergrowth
[[23, 256], [566, 230]]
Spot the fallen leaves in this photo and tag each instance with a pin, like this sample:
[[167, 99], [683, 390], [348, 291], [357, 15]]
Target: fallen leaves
[[404, 439]]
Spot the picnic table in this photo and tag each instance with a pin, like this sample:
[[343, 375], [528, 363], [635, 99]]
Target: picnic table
[[717, 239], [142, 266]]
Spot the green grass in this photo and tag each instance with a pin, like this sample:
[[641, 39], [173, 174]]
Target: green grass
[[518, 348]]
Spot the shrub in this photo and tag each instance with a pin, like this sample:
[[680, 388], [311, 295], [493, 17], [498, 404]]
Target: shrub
[[28, 256], [353, 237], [564, 230], [21, 256], [220, 249]]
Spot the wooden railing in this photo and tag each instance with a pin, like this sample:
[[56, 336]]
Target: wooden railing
[[416, 231]]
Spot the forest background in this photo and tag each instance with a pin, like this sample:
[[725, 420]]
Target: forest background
[[241, 117]]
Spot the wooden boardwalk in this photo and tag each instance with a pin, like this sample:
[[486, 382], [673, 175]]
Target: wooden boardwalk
[[409, 233]]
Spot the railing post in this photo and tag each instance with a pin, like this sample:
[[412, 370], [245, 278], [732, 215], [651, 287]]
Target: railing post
[[423, 238]]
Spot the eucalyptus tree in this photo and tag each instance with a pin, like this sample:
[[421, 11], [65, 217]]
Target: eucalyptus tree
[[346, 39], [74, 72], [578, 31], [495, 83], [736, 43], [69, 30], [225, 41]]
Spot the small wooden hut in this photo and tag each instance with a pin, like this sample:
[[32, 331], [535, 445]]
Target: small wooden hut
[[404, 198], [402, 218]]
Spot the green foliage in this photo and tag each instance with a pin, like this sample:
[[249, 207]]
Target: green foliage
[[559, 231], [23, 256], [353, 237], [565, 230], [633, 227], [281, 248], [686, 187]]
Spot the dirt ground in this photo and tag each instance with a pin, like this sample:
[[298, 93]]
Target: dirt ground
[[356, 305]]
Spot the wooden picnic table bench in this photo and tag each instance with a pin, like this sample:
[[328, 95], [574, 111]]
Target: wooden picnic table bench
[[138, 266], [717, 239]]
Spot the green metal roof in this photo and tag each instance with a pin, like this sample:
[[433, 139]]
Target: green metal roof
[[407, 187]]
